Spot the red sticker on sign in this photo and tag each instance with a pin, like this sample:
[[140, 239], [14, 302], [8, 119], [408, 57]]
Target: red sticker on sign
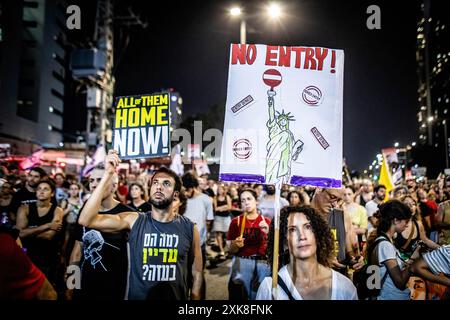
[[272, 78]]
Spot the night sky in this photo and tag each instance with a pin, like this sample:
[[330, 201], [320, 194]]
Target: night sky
[[186, 47]]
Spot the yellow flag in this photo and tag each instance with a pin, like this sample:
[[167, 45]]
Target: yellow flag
[[385, 177]]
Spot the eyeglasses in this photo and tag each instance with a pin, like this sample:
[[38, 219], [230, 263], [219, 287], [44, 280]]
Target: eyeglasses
[[335, 200]]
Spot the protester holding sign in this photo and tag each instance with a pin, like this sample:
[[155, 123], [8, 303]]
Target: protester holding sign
[[306, 249], [248, 242], [163, 246]]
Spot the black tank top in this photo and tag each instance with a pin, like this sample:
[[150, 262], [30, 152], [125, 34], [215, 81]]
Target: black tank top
[[160, 258], [219, 204], [44, 253], [104, 262], [400, 241]]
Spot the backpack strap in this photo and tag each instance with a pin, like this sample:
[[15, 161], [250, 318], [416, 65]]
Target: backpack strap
[[283, 286], [375, 244]]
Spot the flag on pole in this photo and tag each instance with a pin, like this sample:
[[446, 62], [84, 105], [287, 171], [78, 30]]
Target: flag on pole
[[385, 177], [32, 160]]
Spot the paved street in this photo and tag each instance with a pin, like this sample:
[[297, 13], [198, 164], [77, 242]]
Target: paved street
[[217, 279]]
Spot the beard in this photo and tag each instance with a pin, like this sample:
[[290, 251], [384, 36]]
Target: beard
[[161, 204], [270, 191], [32, 184]]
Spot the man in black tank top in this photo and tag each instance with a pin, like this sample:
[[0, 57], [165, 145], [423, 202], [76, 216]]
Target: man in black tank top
[[325, 201], [40, 224], [165, 260], [102, 256]]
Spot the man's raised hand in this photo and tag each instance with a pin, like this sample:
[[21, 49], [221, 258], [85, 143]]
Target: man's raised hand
[[112, 161]]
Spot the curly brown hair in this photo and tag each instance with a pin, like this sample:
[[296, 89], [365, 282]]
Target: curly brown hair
[[321, 230]]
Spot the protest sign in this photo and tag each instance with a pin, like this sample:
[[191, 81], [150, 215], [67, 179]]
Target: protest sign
[[141, 126], [283, 118]]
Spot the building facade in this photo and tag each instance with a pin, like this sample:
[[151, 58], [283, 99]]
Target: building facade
[[32, 74]]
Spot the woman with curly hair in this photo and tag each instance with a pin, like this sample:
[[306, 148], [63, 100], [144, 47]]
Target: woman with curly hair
[[306, 250]]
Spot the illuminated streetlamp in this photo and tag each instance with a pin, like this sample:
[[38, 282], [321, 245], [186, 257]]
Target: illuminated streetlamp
[[236, 12], [274, 10]]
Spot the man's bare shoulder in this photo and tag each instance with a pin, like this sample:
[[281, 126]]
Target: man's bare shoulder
[[130, 217]]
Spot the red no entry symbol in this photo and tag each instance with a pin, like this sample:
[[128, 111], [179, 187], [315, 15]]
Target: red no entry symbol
[[272, 78]]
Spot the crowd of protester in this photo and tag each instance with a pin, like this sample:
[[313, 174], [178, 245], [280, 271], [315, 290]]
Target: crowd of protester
[[326, 236]]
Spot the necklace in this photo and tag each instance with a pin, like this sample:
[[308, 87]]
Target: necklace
[[154, 226], [252, 222]]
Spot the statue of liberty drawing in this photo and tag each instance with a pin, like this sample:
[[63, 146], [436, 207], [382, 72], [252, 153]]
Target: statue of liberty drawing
[[282, 148]]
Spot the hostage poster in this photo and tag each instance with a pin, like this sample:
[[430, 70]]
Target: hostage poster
[[141, 126], [283, 117]]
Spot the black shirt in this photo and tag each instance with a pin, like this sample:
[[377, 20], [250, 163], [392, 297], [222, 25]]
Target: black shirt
[[44, 253], [209, 192], [104, 261], [22, 196], [145, 207]]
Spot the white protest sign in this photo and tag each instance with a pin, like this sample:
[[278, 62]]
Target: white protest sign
[[283, 117]]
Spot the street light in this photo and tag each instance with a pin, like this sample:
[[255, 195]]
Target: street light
[[235, 12], [396, 144], [274, 10]]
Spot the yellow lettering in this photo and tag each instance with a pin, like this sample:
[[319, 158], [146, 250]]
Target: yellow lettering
[[148, 116], [144, 101], [120, 104], [121, 118], [144, 256], [164, 251], [173, 254], [161, 115], [133, 117], [164, 99]]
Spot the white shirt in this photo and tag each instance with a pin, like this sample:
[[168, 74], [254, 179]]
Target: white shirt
[[341, 287], [438, 260], [198, 210], [371, 208], [387, 251]]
